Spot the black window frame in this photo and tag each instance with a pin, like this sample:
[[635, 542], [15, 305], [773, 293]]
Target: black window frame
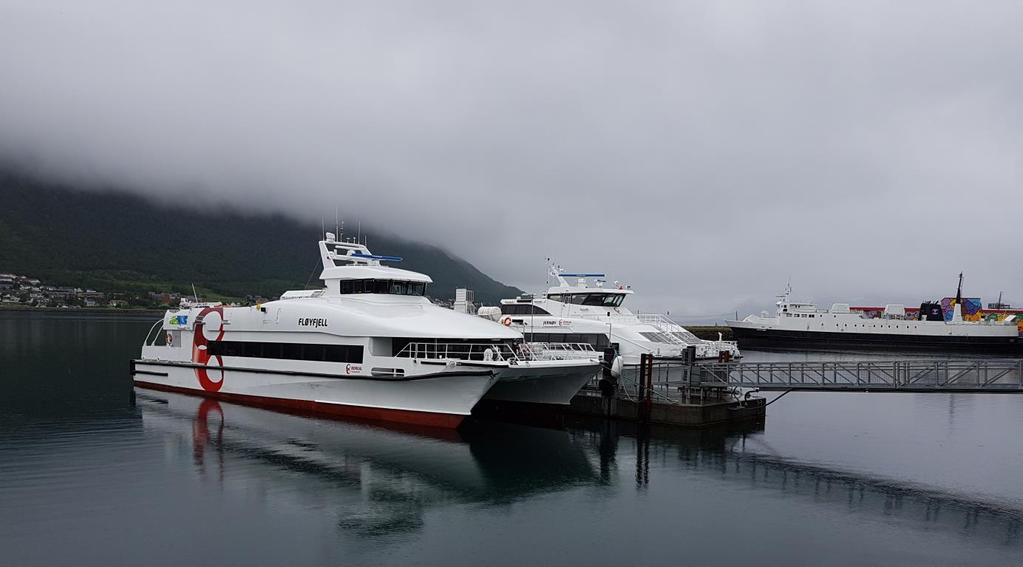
[[382, 287], [317, 352]]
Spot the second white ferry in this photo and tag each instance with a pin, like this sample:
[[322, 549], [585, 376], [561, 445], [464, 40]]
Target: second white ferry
[[590, 312], [368, 345]]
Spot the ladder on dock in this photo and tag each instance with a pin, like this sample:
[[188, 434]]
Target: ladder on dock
[[920, 375]]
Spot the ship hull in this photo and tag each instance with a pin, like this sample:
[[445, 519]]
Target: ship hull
[[442, 399], [753, 338], [543, 383]]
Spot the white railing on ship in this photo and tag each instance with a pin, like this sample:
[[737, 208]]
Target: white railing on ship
[[151, 337], [673, 332], [561, 351], [667, 325], [498, 352]]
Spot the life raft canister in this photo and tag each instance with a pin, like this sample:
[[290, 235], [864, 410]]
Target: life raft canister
[[506, 321]]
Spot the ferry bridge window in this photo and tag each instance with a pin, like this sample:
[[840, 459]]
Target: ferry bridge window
[[601, 299], [604, 299], [387, 287]]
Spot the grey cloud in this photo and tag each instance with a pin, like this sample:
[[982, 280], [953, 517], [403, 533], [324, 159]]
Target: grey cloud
[[703, 151]]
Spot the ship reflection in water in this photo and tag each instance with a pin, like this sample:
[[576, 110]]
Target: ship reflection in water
[[383, 481], [389, 474]]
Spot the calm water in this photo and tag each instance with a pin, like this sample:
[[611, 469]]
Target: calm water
[[87, 478]]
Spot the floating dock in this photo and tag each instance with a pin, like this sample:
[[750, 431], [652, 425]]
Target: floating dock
[[666, 392], [696, 413]]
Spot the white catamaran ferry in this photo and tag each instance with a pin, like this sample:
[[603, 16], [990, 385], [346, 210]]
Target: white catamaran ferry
[[368, 345], [803, 325], [590, 312]]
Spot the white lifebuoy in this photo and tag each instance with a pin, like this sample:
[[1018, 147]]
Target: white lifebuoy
[[170, 339], [506, 321]]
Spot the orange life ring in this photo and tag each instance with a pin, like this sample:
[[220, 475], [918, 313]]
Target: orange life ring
[[506, 321]]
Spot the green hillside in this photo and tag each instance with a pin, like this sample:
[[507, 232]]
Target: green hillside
[[116, 241]]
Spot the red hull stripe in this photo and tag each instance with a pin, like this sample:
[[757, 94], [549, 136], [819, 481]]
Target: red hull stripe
[[424, 418]]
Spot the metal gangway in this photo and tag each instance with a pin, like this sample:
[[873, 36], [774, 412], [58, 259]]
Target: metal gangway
[[917, 375]]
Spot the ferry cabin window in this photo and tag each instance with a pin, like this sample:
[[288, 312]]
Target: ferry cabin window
[[523, 309], [599, 299], [287, 351], [596, 340], [386, 287]]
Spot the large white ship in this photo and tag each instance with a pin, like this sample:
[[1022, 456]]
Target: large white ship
[[803, 325], [589, 311], [368, 345]]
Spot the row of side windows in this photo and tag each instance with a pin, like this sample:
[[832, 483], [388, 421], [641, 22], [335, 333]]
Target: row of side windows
[[596, 340], [288, 351]]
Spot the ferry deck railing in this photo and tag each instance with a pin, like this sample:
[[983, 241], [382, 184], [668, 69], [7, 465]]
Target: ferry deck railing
[[672, 333], [155, 334], [498, 352]]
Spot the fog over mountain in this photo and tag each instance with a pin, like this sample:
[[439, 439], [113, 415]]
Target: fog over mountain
[[703, 151]]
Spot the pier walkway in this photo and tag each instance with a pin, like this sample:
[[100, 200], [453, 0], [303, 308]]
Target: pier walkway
[[682, 391], [919, 375]]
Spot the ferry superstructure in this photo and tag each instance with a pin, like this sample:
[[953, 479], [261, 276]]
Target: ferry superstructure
[[591, 312], [803, 325], [368, 345]]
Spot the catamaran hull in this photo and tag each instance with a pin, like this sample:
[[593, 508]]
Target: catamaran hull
[[441, 399], [546, 384], [750, 338]]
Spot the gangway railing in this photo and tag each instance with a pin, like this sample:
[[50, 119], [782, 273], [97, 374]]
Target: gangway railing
[[980, 375]]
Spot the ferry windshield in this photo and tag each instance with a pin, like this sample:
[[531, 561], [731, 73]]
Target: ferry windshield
[[598, 299], [389, 287]]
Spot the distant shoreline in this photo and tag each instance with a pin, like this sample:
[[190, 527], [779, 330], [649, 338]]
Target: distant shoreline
[[710, 332], [82, 310]]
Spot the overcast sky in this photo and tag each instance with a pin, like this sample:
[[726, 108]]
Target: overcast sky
[[703, 151]]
